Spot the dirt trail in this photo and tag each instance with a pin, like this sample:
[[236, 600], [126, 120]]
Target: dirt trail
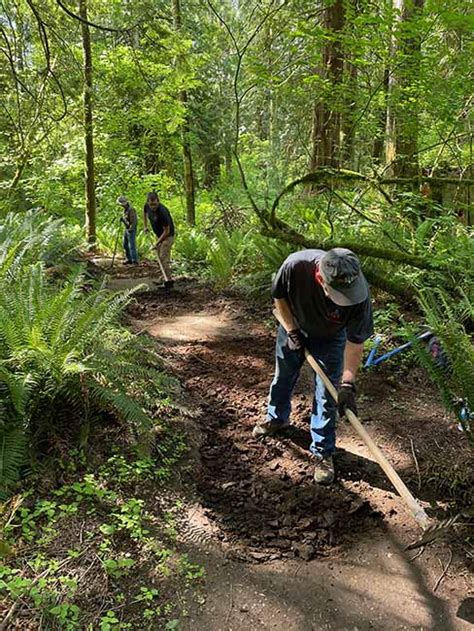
[[280, 552]]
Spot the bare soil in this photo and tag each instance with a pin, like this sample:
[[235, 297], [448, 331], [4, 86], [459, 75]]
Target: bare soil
[[281, 552]]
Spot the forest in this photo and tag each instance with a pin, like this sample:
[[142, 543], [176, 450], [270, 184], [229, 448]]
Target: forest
[[160, 161]]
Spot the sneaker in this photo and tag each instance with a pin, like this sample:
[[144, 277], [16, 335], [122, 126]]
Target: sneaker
[[324, 470], [268, 429]]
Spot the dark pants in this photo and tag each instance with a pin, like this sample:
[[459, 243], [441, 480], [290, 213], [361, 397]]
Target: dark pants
[[130, 245], [330, 352]]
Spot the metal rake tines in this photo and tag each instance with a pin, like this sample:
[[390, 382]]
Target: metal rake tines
[[435, 531]]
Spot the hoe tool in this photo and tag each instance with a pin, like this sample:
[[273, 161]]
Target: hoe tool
[[162, 268], [115, 246], [431, 529]]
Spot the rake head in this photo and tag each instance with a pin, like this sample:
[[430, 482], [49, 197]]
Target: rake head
[[435, 531]]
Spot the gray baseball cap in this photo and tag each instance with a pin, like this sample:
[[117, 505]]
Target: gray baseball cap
[[341, 272], [122, 200]]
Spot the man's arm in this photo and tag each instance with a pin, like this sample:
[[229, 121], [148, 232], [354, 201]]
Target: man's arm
[[145, 219], [352, 359], [284, 311], [164, 235], [133, 219], [346, 397]]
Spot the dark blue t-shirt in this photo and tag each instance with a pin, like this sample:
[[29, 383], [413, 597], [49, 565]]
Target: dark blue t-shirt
[[160, 217], [315, 313]]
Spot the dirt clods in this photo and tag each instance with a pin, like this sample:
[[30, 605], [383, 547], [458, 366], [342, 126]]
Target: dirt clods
[[260, 493]]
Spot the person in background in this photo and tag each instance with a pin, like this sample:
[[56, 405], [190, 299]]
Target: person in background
[[162, 225], [130, 221]]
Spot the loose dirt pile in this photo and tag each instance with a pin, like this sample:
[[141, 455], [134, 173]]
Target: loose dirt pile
[[259, 492], [258, 497]]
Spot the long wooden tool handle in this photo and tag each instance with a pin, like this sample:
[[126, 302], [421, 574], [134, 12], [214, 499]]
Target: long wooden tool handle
[[161, 266], [417, 511], [115, 247]]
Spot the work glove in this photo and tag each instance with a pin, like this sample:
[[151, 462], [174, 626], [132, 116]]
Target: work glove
[[296, 340], [346, 398]]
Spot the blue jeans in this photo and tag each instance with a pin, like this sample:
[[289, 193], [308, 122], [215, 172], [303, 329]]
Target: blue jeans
[[330, 352], [130, 245]]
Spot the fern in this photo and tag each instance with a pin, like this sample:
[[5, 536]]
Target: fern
[[13, 453], [445, 317], [64, 358], [227, 253], [192, 247]]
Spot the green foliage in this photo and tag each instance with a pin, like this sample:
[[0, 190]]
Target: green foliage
[[67, 615], [191, 571], [43, 595], [64, 359], [192, 249], [386, 318], [446, 318], [109, 621], [124, 545], [225, 253], [116, 568], [35, 236], [13, 453], [231, 257]]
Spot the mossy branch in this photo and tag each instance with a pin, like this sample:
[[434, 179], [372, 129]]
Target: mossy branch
[[432, 180], [381, 280], [281, 230], [329, 178]]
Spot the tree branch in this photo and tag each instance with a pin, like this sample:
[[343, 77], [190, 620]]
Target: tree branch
[[100, 27]]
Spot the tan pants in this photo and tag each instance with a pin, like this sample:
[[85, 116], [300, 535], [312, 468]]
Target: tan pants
[[163, 251]]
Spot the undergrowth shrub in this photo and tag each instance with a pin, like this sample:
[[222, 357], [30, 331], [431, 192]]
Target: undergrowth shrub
[[265, 259], [192, 247], [34, 236], [65, 361], [227, 252], [454, 376]]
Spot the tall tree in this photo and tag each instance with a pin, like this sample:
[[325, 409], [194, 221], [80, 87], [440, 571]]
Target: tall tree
[[326, 125], [403, 86], [189, 183], [88, 127]]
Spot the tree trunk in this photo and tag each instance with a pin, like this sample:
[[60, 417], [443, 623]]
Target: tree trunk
[[389, 79], [402, 112], [348, 117], [189, 181], [188, 167], [326, 125], [227, 141], [88, 128], [382, 116], [212, 167]]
